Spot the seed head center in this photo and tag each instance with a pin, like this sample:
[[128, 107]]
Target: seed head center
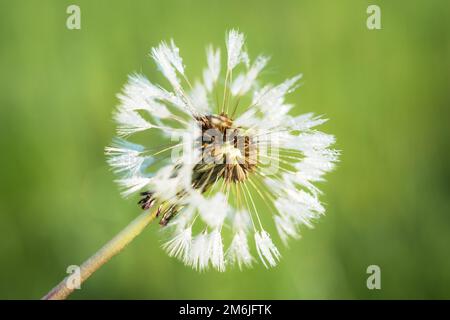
[[227, 152]]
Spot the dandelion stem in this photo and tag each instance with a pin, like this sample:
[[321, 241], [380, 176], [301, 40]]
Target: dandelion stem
[[109, 250]]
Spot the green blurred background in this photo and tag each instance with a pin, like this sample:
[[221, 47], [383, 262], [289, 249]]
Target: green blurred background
[[385, 91]]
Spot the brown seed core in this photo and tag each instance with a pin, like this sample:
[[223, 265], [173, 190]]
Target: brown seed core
[[227, 152]]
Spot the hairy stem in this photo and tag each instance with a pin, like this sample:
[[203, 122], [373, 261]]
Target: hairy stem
[[109, 250]]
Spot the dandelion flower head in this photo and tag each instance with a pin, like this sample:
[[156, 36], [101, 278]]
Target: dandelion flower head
[[230, 160]]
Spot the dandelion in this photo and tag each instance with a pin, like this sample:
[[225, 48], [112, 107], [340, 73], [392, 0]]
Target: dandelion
[[232, 173], [233, 161]]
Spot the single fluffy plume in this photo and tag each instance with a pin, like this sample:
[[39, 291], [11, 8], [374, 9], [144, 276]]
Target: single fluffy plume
[[221, 159], [179, 246], [168, 59], [235, 42], [140, 94], [212, 72], [130, 122], [267, 251], [126, 157], [239, 252], [201, 252], [133, 184], [217, 258], [286, 228], [244, 82]]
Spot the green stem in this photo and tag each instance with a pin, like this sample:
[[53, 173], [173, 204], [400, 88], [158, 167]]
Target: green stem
[[109, 250]]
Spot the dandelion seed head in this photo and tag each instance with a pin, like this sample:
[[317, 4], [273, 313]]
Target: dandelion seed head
[[232, 160]]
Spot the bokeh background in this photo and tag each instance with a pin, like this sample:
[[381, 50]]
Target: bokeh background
[[385, 91]]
